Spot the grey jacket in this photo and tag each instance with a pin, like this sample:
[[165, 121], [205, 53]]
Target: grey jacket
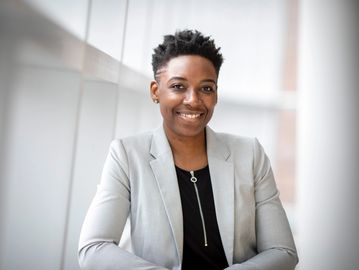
[[139, 182]]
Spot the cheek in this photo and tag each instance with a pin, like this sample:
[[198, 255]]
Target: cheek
[[166, 111], [211, 103], [210, 114]]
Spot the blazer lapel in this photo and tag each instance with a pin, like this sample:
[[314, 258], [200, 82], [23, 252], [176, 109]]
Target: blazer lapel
[[164, 171], [222, 178]]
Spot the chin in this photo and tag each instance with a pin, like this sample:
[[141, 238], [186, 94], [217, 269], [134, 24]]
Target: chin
[[189, 132]]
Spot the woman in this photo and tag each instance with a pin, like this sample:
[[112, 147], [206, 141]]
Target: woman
[[196, 199]]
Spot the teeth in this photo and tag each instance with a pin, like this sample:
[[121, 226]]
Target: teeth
[[186, 115]]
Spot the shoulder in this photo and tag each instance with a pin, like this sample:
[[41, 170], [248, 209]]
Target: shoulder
[[240, 147], [233, 139], [246, 152], [237, 142], [136, 143]]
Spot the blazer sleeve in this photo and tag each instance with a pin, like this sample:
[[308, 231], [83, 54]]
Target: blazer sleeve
[[106, 218], [275, 244]]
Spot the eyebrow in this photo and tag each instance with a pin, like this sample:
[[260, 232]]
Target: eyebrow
[[184, 79]]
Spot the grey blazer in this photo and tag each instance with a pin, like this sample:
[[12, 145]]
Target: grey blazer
[[139, 182]]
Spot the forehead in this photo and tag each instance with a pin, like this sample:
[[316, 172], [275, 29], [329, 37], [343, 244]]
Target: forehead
[[189, 66]]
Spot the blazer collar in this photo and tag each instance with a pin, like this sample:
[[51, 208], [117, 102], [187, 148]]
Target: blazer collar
[[215, 147], [160, 145], [222, 178], [165, 173]]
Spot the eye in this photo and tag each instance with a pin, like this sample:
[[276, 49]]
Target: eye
[[207, 89], [177, 86]]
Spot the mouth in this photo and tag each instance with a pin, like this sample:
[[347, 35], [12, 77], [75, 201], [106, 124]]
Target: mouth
[[190, 115]]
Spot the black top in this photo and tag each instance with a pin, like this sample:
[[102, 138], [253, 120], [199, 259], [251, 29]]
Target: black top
[[195, 254]]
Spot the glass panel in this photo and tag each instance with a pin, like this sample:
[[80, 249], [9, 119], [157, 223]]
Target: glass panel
[[96, 128], [67, 13], [37, 156], [138, 27], [107, 26]]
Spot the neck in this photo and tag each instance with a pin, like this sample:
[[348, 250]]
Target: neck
[[189, 153]]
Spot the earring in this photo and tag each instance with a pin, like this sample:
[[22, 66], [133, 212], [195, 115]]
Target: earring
[[155, 99]]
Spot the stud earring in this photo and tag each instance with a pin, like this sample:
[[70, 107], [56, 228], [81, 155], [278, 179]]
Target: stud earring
[[155, 101]]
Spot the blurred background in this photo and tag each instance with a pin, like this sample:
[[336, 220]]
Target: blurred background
[[75, 74]]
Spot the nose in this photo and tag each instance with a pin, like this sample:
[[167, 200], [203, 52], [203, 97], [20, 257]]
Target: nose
[[191, 98]]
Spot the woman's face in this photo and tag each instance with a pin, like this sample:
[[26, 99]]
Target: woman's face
[[186, 89]]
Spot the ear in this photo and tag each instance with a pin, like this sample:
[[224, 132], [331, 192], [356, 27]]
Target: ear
[[154, 90]]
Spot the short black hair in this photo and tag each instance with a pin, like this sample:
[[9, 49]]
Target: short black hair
[[186, 42]]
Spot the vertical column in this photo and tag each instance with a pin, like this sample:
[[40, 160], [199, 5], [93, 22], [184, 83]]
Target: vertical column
[[40, 86], [328, 155]]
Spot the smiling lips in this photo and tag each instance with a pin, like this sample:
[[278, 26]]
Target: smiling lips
[[190, 115]]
